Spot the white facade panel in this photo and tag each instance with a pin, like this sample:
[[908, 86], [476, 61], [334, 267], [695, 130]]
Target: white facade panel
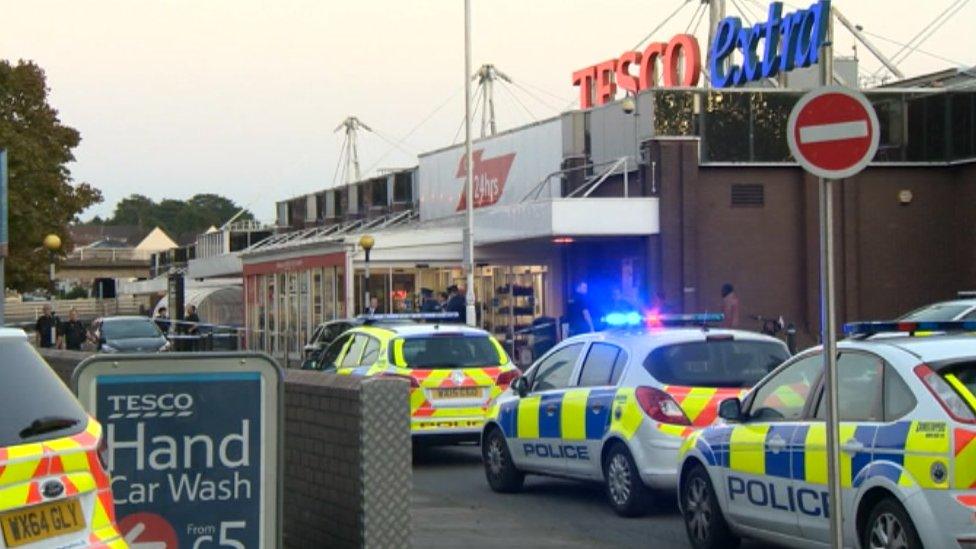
[[506, 168]]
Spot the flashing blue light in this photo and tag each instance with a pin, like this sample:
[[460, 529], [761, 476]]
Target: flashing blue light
[[632, 319], [871, 328], [617, 320]]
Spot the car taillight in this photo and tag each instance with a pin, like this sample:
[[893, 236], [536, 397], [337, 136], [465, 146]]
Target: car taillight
[[103, 452], [505, 379], [414, 384], [659, 406], [950, 400]]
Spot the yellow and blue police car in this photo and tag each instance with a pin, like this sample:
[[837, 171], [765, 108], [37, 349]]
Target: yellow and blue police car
[[455, 372], [54, 491], [615, 406], [907, 447]]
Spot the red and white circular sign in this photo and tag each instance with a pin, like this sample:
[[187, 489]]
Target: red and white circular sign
[[833, 132], [148, 531]]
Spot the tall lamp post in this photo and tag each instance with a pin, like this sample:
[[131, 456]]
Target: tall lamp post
[[471, 316], [366, 242], [52, 243]]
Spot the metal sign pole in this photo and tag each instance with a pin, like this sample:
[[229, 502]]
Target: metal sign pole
[[827, 320], [470, 315], [3, 234]]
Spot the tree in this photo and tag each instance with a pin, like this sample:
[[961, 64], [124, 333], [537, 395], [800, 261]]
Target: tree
[[177, 217], [42, 197]]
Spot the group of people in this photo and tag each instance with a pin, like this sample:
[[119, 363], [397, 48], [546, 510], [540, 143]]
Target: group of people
[[451, 301], [188, 326], [52, 332]]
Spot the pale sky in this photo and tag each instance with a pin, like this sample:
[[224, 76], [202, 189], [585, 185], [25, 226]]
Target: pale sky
[[240, 98]]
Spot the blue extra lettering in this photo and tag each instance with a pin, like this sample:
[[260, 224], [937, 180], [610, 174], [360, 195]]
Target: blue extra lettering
[[790, 41]]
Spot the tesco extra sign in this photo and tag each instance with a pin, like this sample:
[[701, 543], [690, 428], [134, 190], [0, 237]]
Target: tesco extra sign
[[738, 55]]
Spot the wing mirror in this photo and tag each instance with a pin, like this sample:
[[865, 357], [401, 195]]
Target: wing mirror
[[520, 386], [730, 409]]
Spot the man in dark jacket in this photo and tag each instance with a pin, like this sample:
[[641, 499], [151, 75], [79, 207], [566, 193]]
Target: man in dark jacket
[[47, 328], [72, 332], [456, 303]]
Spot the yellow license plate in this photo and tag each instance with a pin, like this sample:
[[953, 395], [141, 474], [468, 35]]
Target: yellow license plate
[[41, 522], [458, 392]]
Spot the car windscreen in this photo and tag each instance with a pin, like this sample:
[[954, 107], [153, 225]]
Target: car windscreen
[[444, 351], [36, 404], [936, 313], [129, 329], [962, 376], [714, 363]]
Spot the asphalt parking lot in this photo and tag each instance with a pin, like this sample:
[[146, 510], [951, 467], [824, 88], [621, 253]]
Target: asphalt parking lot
[[453, 507]]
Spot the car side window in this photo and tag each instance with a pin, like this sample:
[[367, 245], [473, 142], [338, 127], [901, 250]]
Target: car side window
[[898, 398], [783, 396], [601, 365], [860, 379], [554, 371], [371, 353], [971, 315], [351, 358], [328, 357]]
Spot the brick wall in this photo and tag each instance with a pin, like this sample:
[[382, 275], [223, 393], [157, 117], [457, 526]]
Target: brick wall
[[347, 470]]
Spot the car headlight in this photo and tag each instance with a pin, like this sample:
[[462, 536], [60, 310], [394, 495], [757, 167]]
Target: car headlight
[[165, 347], [106, 348]]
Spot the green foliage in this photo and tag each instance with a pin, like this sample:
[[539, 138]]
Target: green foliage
[[42, 198], [76, 293], [176, 217]]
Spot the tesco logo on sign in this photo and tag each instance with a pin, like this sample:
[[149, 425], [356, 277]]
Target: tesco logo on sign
[[678, 62]]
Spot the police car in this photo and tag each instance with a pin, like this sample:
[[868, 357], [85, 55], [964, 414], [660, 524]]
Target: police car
[[907, 447], [455, 372], [54, 491], [615, 406]]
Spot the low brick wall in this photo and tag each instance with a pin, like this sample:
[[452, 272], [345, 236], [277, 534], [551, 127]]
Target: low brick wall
[[347, 471]]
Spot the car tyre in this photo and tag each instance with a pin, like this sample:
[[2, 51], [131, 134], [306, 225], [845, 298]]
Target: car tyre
[[500, 471], [704, 521], [889, 527], [625, 490]]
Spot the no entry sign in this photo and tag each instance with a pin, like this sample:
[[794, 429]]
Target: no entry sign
[[833, 132]]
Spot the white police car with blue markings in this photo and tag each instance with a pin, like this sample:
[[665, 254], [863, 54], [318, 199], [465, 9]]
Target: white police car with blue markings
[[615, 406], [907, 447]]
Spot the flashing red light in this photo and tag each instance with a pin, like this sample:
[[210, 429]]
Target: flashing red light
[[563, 240], [652, 319]]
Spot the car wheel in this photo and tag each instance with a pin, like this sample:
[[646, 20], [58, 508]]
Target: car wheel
[[499, 470], [627, 493], [704, 521], [889, 527]]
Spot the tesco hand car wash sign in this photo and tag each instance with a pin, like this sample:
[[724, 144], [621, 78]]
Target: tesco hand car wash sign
[[780, 44]]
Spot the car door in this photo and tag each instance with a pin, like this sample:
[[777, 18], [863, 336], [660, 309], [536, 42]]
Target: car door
[[539, 414], [328, 359], [860, 381], [586, 408], [763, 451]]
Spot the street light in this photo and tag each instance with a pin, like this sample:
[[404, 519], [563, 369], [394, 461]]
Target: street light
[[52, 243], [366, 242]]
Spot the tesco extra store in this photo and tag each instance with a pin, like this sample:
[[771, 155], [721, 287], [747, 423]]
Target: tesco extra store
[[676, 193]]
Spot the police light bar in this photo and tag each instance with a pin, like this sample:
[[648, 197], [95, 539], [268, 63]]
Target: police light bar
[[652, 319], [411, 316], [866, 329]]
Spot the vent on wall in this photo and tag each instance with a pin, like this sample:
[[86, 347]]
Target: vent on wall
[[748, 195]]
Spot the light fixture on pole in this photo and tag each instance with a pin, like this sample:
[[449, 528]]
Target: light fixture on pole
[[52, 243], [468, 177], [366, 242]]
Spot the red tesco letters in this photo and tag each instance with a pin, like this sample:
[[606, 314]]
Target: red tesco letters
[[679, 63]]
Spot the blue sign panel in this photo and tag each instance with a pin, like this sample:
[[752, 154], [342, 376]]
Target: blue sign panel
[[187, 447], [788, 41], [192, 445]]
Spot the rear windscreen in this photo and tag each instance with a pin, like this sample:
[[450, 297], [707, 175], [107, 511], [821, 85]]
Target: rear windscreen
[[936, 313], [721, 363], [447, 351], [36, 405], [962, 377]]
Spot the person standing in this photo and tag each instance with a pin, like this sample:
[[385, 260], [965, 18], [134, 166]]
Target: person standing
[[730, 306], [72, 333], [192, 320], [47, 328], [578, 314], [427, 302], [374, 306], [162, 320], [456, 303]]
